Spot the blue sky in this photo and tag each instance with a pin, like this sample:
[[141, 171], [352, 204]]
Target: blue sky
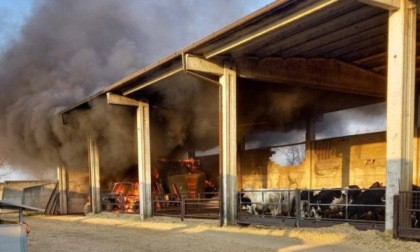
[[13, 14]]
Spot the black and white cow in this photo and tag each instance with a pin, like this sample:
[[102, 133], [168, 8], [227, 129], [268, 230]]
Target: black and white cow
[[369, 205], [275, 201], [260, 201], [327, 203], [324, 203]]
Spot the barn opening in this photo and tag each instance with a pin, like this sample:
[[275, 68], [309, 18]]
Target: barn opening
[[275, 85]]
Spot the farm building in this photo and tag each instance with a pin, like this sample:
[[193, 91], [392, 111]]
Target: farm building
[[280, 69]]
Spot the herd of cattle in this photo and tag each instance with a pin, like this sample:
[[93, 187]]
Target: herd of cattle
[[351, 203]]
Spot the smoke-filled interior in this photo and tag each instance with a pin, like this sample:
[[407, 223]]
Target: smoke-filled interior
[[184, 121]]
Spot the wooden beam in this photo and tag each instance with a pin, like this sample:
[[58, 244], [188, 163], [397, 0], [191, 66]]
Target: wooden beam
[[121, 100], [316, 73], [391, 5]]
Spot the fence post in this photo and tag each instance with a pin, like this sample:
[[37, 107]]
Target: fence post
[[182, 208], [122, 203], [297, 210], [396, 216]]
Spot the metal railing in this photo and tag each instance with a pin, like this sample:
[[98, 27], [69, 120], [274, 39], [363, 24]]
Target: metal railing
[[121, 203], [203, 206], [309, 207], [407, 215]]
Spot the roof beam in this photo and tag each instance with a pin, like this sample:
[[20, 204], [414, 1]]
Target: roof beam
[[318, 5], [391, 5], [153, 81], [199, 64], [317, 73], [121, 100]]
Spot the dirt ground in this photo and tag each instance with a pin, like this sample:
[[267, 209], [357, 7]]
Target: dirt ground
[[116, 232]]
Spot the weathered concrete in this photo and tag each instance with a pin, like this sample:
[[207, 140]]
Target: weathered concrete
[[30, 193]]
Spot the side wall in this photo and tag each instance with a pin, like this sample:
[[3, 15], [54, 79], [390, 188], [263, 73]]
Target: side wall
[[30, 193], [78, 191], [337, 162]]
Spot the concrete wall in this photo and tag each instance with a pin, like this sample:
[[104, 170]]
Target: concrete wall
[[30, 193], [253, 168], [39, 195], [336, 162], [78, 191]]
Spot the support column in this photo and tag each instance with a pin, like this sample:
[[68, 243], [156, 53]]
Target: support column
[[309, 150], [143, 148], [228, 150], [62, 188], [400, 102], [95, 187]]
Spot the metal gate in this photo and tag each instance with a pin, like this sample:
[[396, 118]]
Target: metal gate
[[407, 215], [296, 208]]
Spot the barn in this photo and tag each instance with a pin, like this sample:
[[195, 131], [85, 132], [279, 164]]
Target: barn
[[280, 69]]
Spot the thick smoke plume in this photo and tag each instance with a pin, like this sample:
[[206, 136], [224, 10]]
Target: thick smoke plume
[[69, 50]]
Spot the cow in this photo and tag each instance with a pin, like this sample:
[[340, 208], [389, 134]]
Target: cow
[[369, 205], [322, 203], [288, 203], [275, 201], [352, 192], [258, 202]]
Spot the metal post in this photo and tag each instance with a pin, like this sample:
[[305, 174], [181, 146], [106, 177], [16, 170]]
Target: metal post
[[182, 208], [297, 210], [396, 200], [20, 215]]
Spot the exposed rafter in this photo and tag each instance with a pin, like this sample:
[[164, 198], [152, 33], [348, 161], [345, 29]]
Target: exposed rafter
[[318, 73], [318, 5]]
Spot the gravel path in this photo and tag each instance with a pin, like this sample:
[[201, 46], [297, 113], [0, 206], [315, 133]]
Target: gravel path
[[116, 232]]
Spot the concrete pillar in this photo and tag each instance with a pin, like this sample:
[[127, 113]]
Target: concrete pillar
[[95, 187], [143, 150], [416, 157], [309, 150], [400, 102], [144, 169], [228, 150], [62, 188]]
